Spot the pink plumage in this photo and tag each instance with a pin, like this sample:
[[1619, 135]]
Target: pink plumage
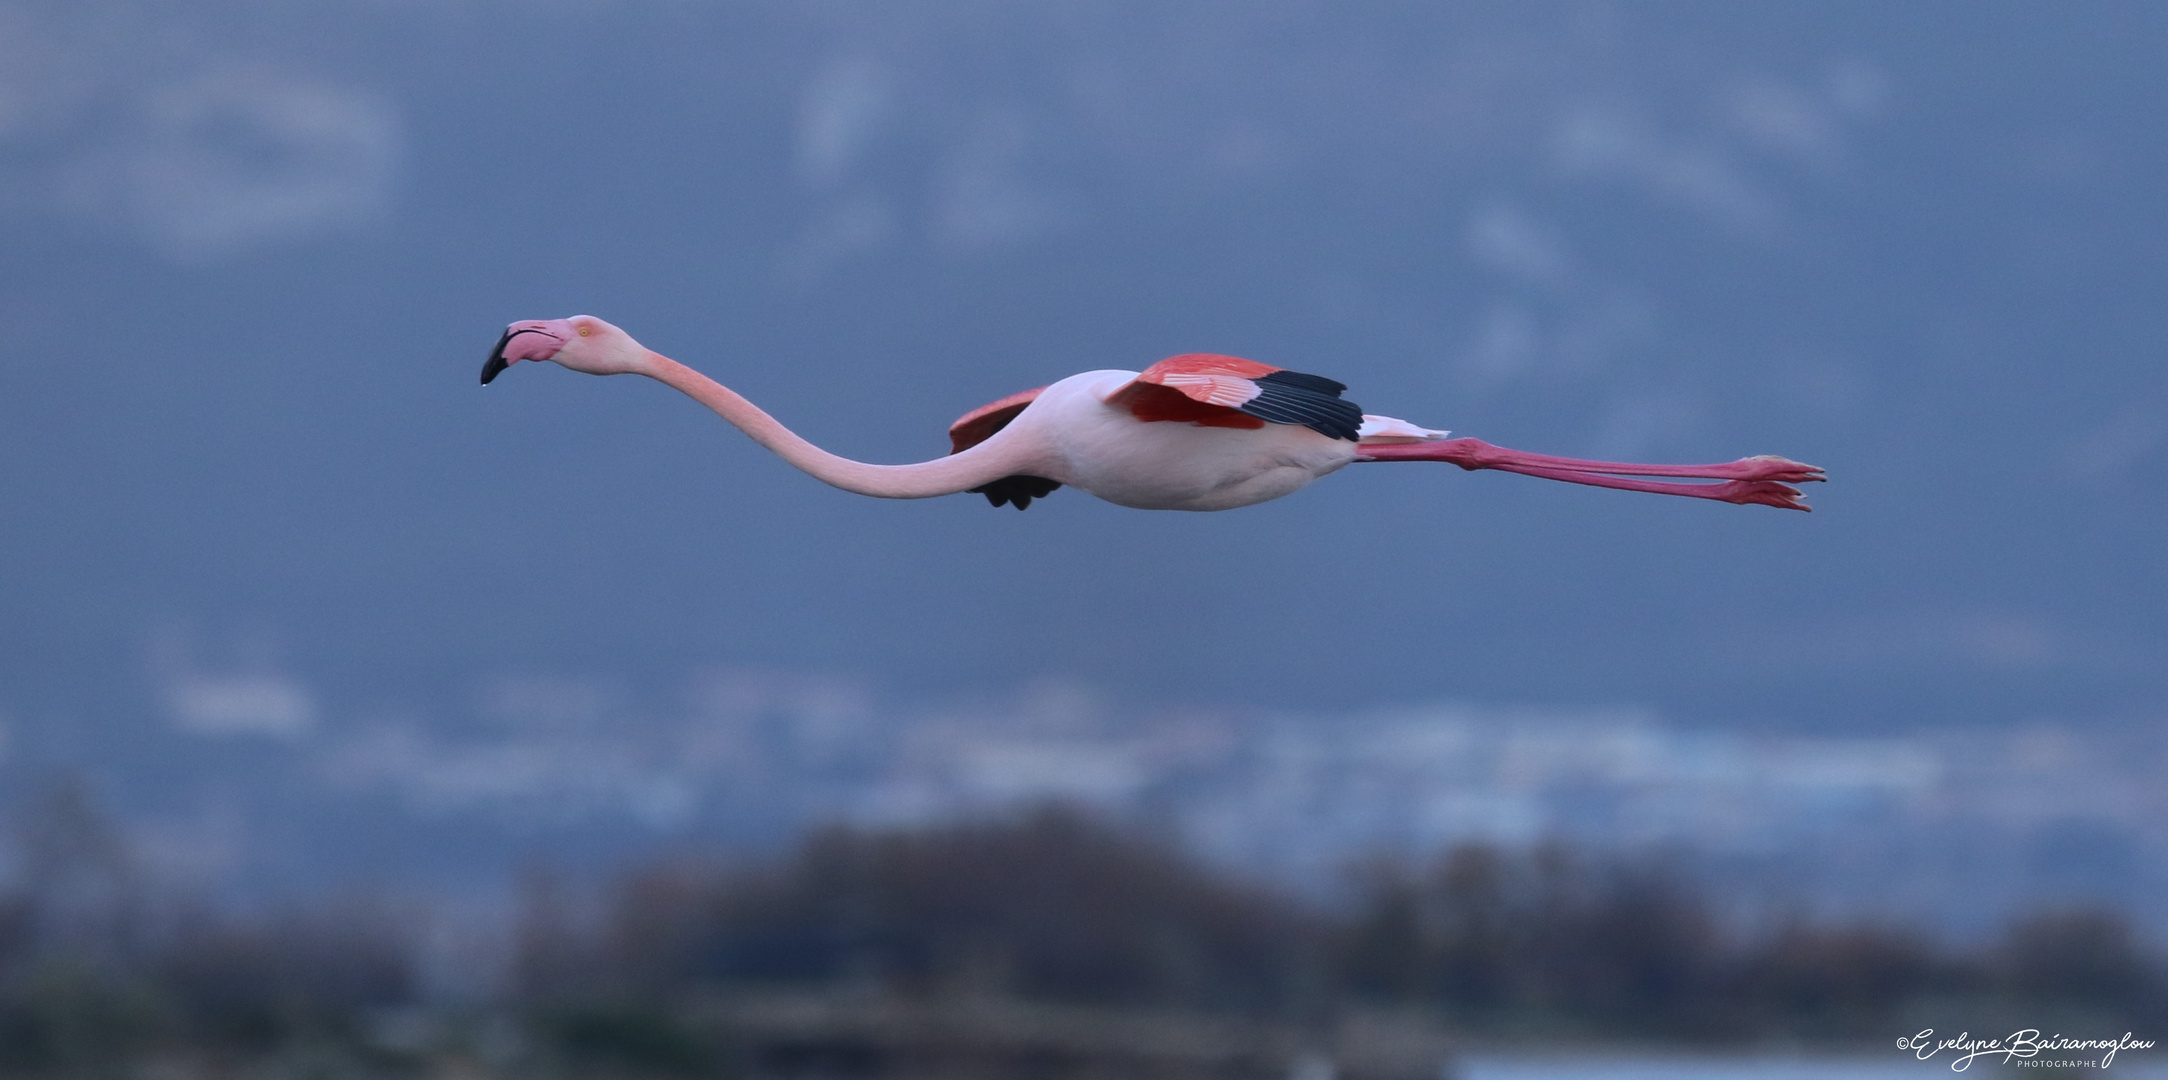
[[1192, 432]]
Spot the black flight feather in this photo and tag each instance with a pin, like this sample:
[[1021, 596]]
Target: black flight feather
[[1019, 489], [1291, 397]]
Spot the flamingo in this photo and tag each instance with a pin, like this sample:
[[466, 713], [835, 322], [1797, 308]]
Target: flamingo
[[1192, 432]]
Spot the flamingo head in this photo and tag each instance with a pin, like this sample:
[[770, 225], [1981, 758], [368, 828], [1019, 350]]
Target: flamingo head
[[582, 343]]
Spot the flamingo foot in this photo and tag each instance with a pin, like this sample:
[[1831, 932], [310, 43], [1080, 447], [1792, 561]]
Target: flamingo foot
[[1772, 467], [1764, 492]]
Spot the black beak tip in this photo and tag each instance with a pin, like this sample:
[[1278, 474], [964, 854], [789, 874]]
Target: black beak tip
[[496, 363]]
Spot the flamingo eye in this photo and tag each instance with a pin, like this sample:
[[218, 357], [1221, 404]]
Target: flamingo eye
[[586, 330]]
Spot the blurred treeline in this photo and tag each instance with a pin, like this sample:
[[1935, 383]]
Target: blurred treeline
[[102, 969], [1034, 944]]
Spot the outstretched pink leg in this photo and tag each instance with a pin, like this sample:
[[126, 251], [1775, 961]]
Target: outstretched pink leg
[[1766, 480]]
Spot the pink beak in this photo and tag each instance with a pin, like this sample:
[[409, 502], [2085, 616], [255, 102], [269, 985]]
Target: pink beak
[[535, 339]]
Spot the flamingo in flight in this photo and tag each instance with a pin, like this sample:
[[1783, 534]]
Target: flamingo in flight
[[1192, 432]]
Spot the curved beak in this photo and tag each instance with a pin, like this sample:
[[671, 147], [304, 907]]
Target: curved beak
[[535, 339], [496, 363]]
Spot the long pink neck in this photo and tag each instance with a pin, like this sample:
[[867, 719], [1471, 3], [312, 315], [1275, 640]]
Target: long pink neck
[[984, 463]]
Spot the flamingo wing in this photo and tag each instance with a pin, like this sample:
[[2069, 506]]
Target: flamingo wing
[[979, 425], [1228, 391]]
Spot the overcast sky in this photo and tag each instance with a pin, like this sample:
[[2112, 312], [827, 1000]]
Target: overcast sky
[[253, 253]]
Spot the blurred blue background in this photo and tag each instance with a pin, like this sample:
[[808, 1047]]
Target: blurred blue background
[[308, 607]]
